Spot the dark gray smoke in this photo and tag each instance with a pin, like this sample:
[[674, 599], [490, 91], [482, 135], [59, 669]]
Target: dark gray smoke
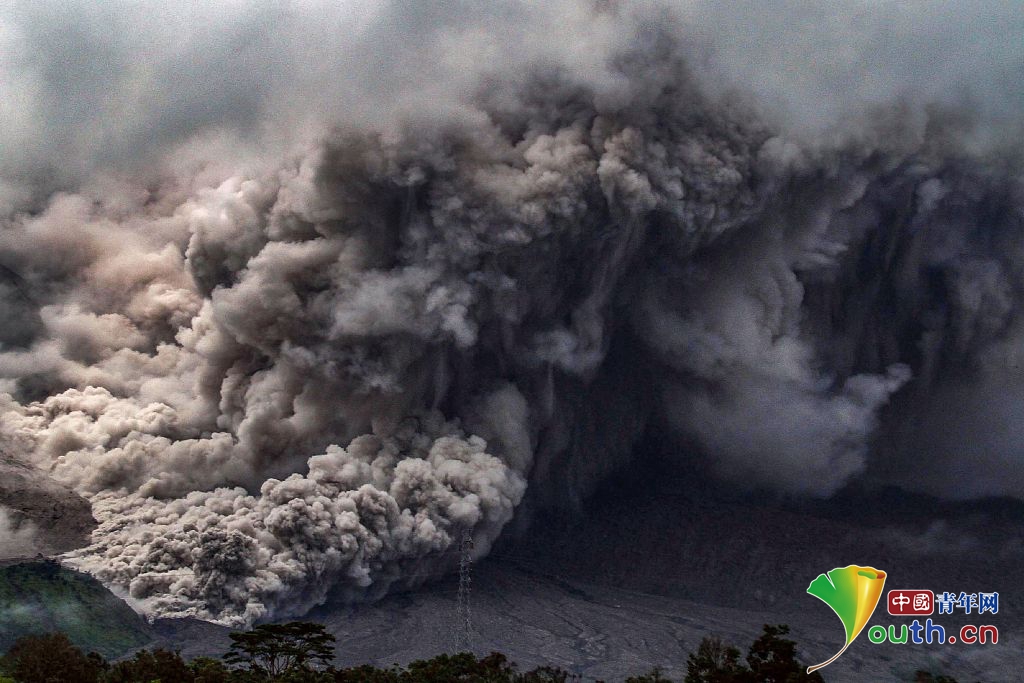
[[297, 323]]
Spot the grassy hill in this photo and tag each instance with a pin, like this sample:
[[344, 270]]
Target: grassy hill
[[40, 597]]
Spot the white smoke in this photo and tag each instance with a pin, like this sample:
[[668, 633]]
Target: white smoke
[[302, 320]]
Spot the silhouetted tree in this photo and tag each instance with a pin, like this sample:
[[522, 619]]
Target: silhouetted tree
[[494, 668], [209, 670], [367, 674], [926, 677], [549, 674], [276, 649], [772, 659], [653, 677], [51, 658], [715, 662], [159, 665], [290, 653]]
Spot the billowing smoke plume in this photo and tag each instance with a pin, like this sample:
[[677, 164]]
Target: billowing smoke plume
[[287, 341]]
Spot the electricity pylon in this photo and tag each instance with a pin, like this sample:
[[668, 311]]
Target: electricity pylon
[[463, 621]]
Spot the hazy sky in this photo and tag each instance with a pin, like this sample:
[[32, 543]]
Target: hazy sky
[[95, 83]]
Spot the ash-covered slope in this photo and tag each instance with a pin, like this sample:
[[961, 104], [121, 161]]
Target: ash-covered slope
[[762, 554], [669, 536], [601, 632], [638, 576], [38, 515], [608, 633]]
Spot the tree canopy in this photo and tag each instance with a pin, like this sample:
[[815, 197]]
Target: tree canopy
[[301, 652], [278, 648]]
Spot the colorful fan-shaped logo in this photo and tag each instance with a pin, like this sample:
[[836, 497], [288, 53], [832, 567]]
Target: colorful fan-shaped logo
[[852, 592]]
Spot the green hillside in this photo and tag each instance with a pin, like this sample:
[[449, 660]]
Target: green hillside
[[40, 597]]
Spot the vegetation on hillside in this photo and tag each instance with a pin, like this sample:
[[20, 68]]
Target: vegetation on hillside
[[43, 597]]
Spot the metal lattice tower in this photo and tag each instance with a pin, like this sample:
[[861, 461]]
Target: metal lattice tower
[[463, 622]]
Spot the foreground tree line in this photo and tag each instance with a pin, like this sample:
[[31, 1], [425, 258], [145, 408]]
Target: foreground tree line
[[301, 652]]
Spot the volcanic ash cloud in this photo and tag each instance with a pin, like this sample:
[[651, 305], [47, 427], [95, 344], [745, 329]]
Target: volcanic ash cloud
[[283, 354]]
